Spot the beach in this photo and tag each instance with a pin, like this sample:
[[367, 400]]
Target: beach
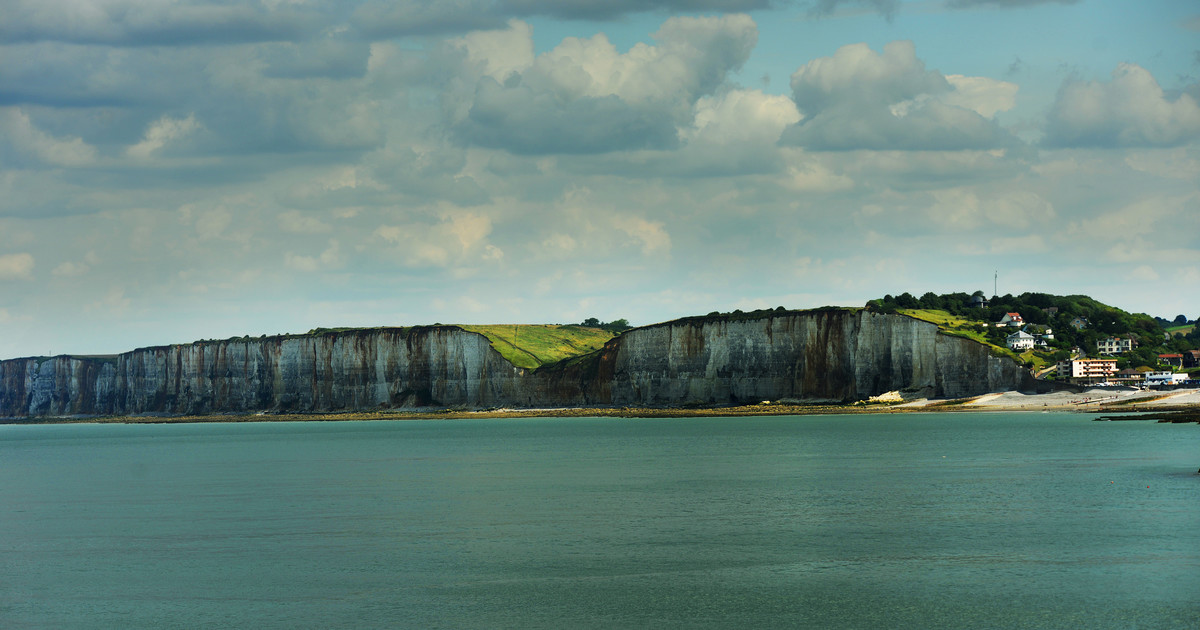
[[1097, 400]]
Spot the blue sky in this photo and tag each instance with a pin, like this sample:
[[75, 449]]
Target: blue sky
[[185, 169]]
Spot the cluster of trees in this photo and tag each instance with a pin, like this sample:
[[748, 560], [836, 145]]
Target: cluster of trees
[[616, 325], [1056, 312]]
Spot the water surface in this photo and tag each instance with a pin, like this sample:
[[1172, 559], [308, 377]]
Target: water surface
[[908, 520]]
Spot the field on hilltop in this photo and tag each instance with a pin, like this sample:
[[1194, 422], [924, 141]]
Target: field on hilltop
[[534, 345]]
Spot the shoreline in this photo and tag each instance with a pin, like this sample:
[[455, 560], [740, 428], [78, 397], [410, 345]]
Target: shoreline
[[1180, 406]]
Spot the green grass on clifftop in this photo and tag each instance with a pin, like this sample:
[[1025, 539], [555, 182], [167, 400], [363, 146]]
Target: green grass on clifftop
[[956, 326], [534, 345]]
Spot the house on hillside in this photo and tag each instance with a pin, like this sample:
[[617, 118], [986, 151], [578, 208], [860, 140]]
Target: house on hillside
[[1051, 311], [1115, 345], [1191, 359], [1173, 360], [1079, 323], [1010, 319], [1020, 341]]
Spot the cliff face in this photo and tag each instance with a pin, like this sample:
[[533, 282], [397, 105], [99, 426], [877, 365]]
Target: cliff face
[[828, 354], [833, 354], [366, 369]]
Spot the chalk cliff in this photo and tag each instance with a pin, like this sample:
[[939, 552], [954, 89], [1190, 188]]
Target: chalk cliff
[[839, 354]]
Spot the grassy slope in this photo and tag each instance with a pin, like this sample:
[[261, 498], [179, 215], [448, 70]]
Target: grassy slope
[[534, 345], [1180, 330], [959, 327]]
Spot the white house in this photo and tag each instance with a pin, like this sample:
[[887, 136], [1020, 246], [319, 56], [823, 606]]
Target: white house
[[1011, 319], [1115, 345], [1020, 340]]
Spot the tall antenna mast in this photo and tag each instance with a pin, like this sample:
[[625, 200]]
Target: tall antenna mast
[[995, 279]]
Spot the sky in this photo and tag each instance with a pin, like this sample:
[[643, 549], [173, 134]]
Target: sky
[[175, 170]]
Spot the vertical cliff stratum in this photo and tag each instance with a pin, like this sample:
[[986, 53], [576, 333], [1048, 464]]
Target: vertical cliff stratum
[[828, 354]]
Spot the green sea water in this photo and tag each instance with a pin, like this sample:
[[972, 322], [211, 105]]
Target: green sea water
[[864, 521]]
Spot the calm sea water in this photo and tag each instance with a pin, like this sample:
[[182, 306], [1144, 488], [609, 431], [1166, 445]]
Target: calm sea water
[[915, 520]]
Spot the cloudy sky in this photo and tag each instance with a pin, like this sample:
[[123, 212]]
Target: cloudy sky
[[173, 170]]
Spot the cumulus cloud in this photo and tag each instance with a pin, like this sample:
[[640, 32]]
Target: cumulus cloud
[[585, 97], [982, 95], [29, 140], [860, 99], [734, 132], [16, 266], [1131, 110], [740, 116]]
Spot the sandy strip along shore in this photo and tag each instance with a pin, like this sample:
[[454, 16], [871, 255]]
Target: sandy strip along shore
[[1124, 400]]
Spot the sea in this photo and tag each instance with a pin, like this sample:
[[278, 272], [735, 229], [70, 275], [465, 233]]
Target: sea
[[915, 520]]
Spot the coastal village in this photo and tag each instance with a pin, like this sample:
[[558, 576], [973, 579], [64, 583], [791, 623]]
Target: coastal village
[[1067, 339], [1101, 370]]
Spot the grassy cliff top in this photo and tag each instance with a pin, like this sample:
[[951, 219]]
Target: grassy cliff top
[[534, 345], [957, 326]]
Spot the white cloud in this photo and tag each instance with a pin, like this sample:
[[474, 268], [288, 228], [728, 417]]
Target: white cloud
[[16, 266], [986, 97], [161, 132], [860, 99], [1131, 110], [499, 53], [28, 139], [584, 96], [740, 116]]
